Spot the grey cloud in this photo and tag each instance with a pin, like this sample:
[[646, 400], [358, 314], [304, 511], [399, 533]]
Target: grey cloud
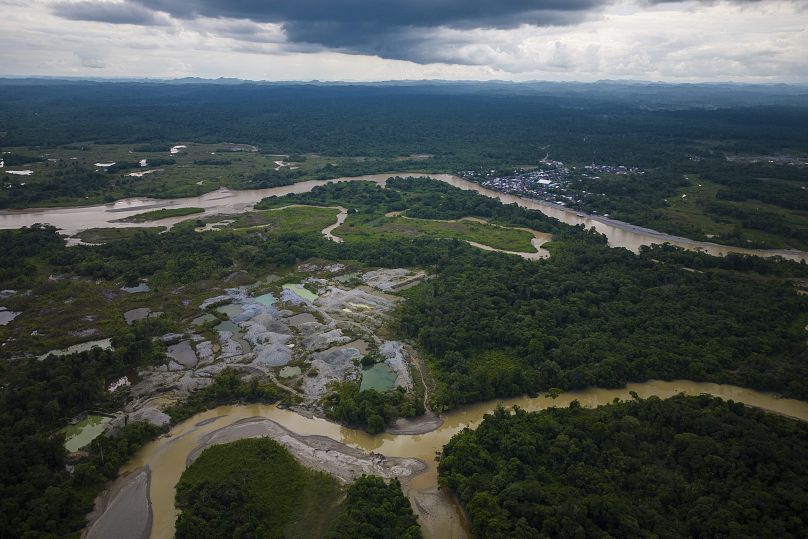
[[381, 13], [114, 13], [398, 29]]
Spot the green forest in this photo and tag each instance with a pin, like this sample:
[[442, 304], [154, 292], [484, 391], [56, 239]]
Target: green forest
[[488, 325], [256, 488], [38, 496], [681, 467], [376, 510], [758, 204]]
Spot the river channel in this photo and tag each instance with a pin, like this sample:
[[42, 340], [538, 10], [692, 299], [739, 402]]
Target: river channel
[[166, 457], [226, 201]]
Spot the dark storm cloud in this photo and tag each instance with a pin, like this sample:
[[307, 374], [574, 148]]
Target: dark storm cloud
[[115, 13], [398, 29], [384, 14]]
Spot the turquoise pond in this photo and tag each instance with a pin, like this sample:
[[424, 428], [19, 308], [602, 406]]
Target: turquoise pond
[[266, 299], [379, 377], [84, 432]]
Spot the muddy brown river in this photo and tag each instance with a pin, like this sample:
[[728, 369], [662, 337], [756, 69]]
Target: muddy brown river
[[226, 201], [167, 456]]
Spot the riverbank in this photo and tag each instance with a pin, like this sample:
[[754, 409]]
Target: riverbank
[[123, 510], [317, 452], [440, 517], [223, 201]]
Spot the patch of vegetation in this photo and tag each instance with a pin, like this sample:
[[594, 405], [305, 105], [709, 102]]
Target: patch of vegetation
[[152, 148], [227, 388], [254, 488], [681, 467], [508, 239], [38, 496], [374, 509], [748, 205], [106, 235], [291, 220], [163, 213], [370, 409]]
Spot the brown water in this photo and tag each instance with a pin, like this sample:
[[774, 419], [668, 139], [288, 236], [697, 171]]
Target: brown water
[[219, 202], [226, 201], [619, 234], [166, 457]]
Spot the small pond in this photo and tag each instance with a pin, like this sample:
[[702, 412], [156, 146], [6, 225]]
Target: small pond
[[266, 299], [227, 325], [7, 316], [142, 287], [379, 377], [290, 372], [183, 353], [301, 291], [134, 315], [81, 347], [204, 319], [84, 432], [232, 310]]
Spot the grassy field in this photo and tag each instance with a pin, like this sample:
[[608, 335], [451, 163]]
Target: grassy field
[[106, 235], [256, 486], [299, 219], [690, 209], [508, 239], [164, 213]]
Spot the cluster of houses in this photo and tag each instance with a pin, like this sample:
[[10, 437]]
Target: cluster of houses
[[550, 181]]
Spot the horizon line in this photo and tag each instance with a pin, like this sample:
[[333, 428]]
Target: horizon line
[[190, 78]]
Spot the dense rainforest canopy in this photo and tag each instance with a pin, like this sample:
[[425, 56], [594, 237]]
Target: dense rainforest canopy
[[681, 467], [466, 125], [489, 324]]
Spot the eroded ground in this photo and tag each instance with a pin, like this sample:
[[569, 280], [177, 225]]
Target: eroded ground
[[301, 335]]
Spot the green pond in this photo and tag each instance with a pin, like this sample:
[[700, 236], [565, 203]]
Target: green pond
[[231, 309], [227, 325], [301, 291], [84, 432], [266, 299], [379, 377], [204, 319], [290, 372]]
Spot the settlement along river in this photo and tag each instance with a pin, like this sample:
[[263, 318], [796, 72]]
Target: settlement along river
[[166, 457]]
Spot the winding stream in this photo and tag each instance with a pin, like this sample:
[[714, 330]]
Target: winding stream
[[226, 201], [166, 457]]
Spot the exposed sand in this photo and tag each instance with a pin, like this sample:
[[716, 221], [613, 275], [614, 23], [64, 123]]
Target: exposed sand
[[328, 231], [417, 425], [317, 452], [123, 511]]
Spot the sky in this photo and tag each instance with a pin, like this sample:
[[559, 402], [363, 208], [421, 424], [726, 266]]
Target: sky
[[372, 40]]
